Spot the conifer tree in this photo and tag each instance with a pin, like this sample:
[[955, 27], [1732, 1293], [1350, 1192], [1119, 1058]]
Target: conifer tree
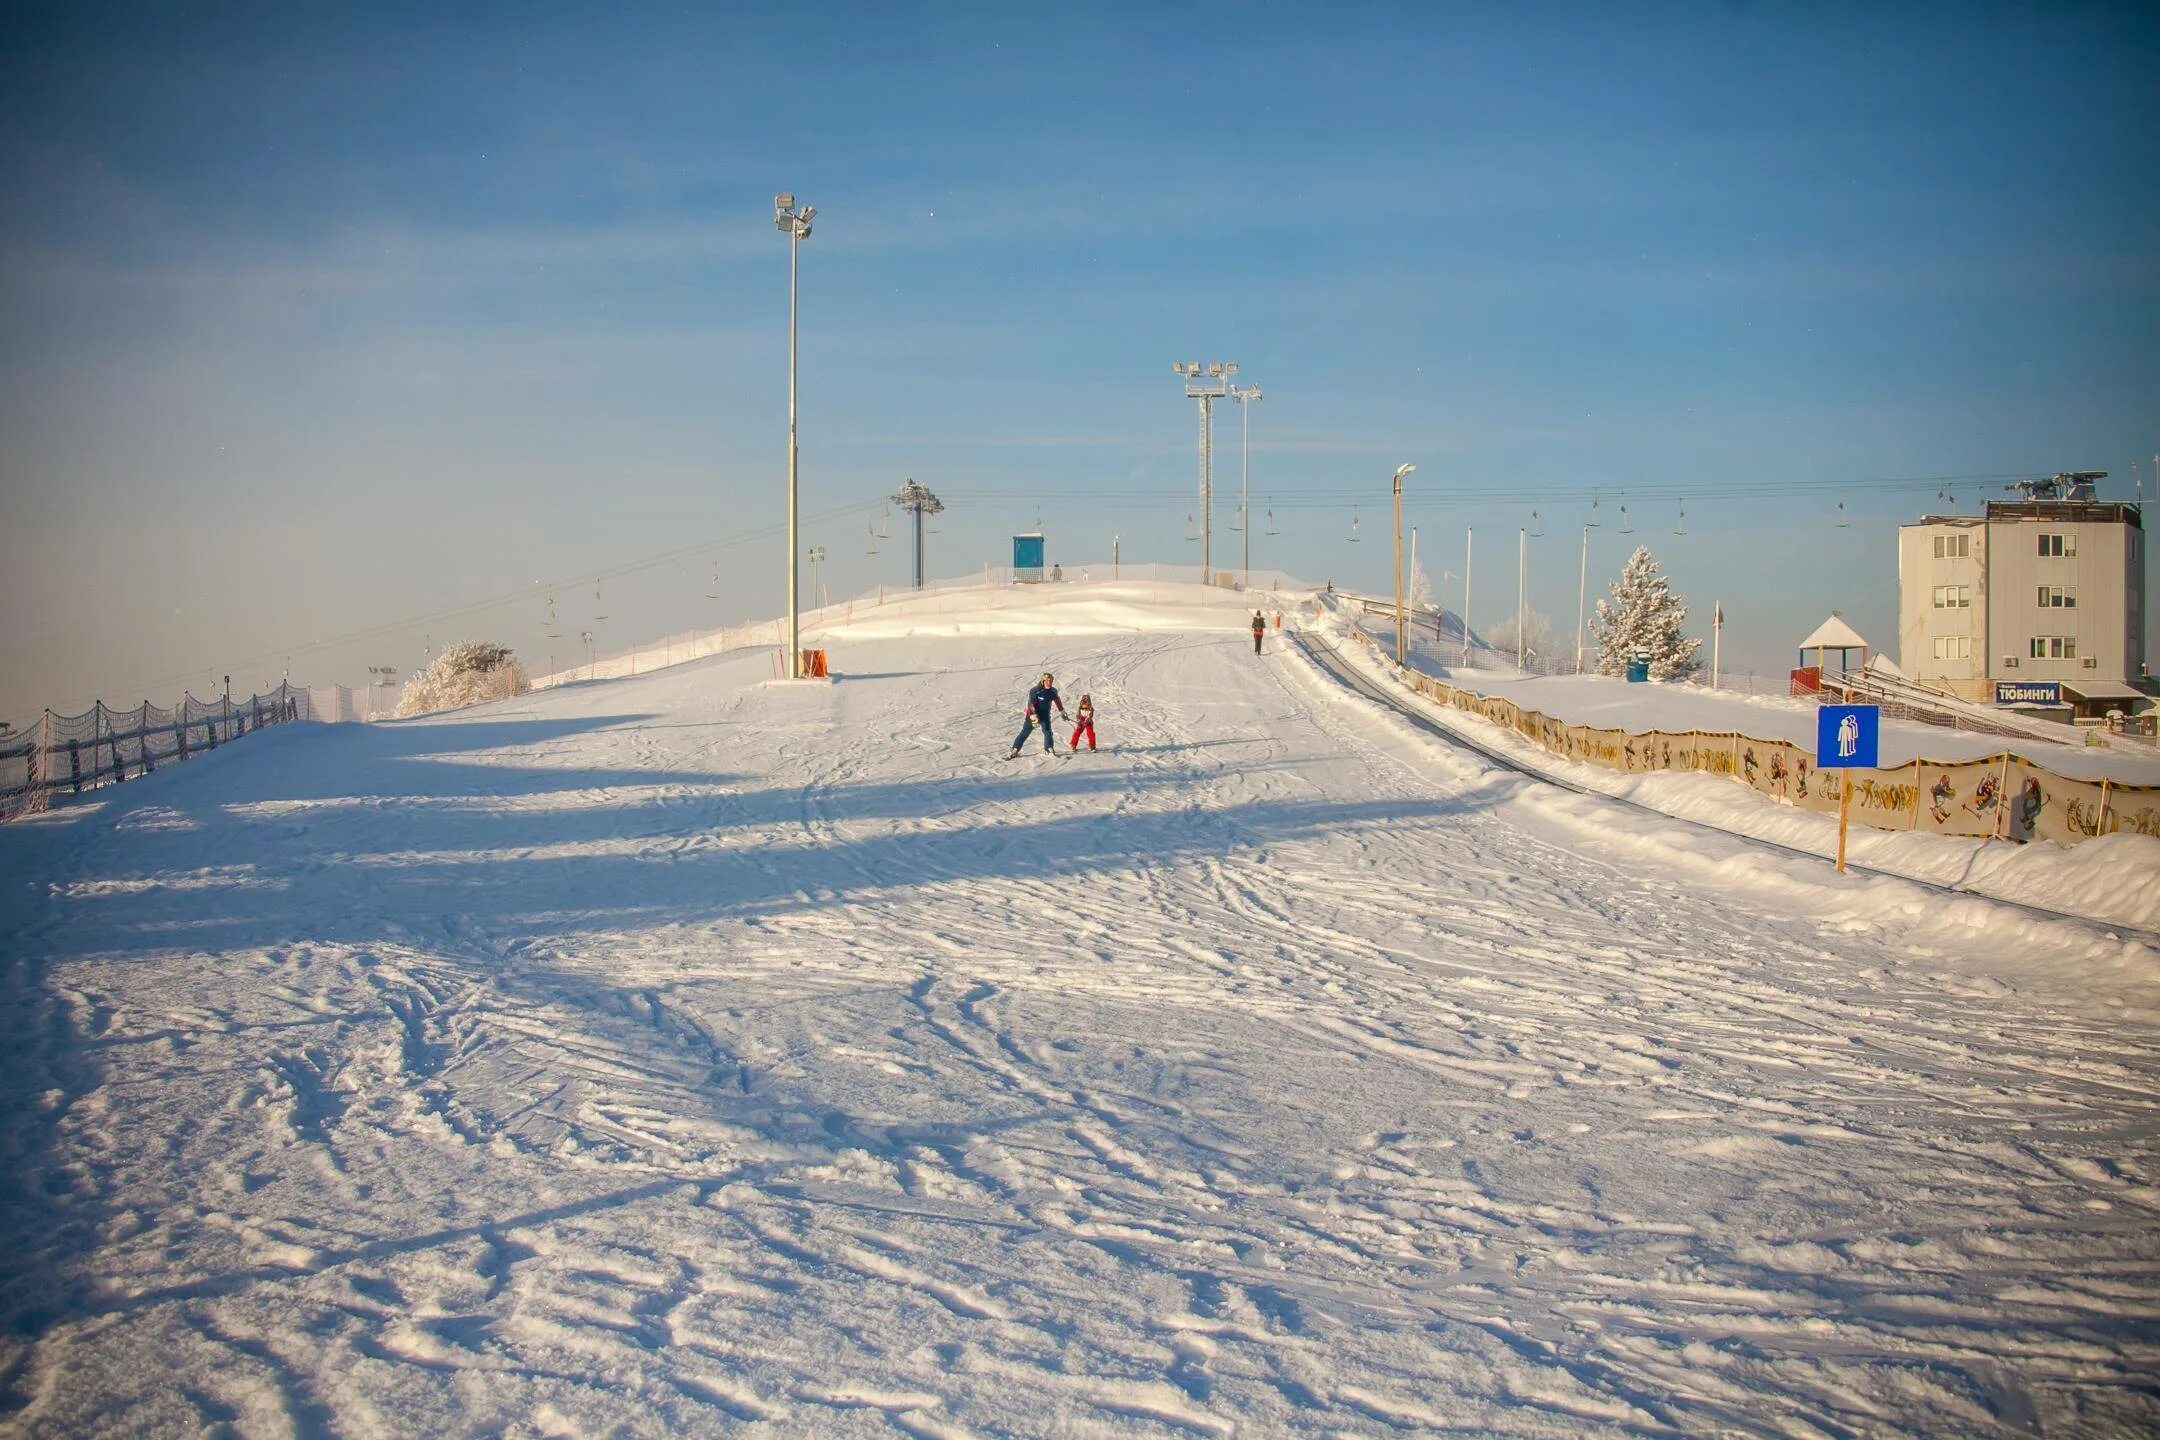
[[1644, 617]]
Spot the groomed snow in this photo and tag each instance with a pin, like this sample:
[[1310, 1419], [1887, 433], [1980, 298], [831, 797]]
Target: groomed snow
[[698, 1055]]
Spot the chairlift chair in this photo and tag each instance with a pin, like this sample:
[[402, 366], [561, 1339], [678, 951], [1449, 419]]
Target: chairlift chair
[[552, 632], [885, 525], [1625, 527], [1353, 525], [712, 590], [1842, 522], [1271, 519], [1192, 532], [599, 606], [1680, 526], [873, 538], [1537, 527]]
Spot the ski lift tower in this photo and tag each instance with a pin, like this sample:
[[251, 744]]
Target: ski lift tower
[[1206, 384], [918, 501]]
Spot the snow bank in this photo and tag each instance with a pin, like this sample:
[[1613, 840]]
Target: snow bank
[[1070, 608], [2112, 879]]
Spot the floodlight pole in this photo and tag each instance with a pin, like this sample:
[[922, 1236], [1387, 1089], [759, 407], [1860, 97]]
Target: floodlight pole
[[1401, 639], [1244, 399], [1206, 384], [917, 500], [1522, 557], [1582, 594], [796, 222]]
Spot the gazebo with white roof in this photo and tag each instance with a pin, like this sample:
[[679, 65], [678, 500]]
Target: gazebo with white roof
[[1834, 634]]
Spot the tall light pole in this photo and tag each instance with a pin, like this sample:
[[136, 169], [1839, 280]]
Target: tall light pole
[[1206, 384], [917, 500], [1469, 536], [796, 222], [1582, 594], [1522, 562], [1401, 638], [1244, 399]]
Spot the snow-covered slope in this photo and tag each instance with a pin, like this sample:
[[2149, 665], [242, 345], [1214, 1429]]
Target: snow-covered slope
[[691, 1054]]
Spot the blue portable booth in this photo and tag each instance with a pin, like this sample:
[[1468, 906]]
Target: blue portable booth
[[1027, 559]]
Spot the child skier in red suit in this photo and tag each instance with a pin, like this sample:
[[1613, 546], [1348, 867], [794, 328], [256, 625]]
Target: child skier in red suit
[[1083, 724]]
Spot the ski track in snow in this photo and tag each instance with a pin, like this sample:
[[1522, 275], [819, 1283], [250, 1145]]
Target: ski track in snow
[[687, 1055]]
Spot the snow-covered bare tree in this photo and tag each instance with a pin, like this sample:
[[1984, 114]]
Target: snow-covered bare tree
[[1644, 617], [464, 674], [1537, 639], [1420, 588]]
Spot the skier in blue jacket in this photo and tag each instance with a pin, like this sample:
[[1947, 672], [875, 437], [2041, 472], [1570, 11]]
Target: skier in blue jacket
[[1039, 701]]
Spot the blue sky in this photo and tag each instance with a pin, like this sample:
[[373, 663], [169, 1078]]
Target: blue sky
[[315, 318]]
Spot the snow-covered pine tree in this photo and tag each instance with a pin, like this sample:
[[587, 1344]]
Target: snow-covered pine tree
[[1644, 616]]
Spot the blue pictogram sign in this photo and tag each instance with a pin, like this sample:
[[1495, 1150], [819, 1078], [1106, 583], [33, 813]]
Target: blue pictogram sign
[[1847, 736]]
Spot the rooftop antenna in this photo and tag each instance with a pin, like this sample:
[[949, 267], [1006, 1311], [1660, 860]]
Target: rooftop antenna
[[1353, 525]]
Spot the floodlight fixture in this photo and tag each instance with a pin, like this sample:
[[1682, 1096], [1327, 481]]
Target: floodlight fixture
[[1206, 384]]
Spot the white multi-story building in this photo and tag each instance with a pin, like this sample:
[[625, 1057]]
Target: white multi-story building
[[2034, 602]]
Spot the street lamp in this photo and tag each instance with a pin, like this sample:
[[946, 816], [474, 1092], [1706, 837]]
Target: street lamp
[[1401, 638], [1206, 384], [796, 223], [1244, 399]]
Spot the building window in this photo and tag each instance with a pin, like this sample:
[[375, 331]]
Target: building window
[[2054, 647], [1953, 647], [2058, 545], [1953, 597], [2058, 597], [1953, 547]]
